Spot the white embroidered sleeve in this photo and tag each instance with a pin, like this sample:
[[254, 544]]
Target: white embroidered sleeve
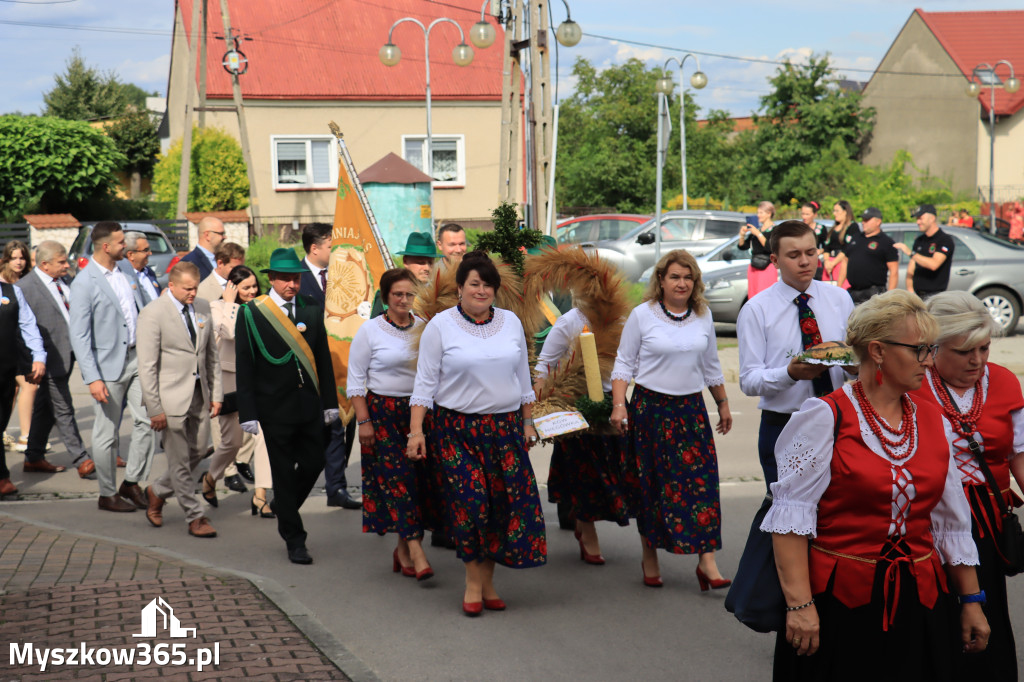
[[358, 363], [951, 517], [428, 366], [1018, 432], [804, 456], [527, 395], [712, 365], [556, 345], [629, 349]]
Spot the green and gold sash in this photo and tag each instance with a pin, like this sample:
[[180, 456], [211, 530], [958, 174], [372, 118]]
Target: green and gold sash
[[300, 349]]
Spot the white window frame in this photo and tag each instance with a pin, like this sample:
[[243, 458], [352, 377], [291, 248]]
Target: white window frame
[[332, 165], [460, 157]]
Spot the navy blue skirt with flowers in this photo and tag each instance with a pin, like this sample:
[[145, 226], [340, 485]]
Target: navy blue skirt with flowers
[[490, 493], [399, 495], [586, 474], [671, 472]]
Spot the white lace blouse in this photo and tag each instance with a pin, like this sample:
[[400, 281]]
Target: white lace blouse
[[560, 340], [667, 356], [381, 360], [804, 454], [477, 369]]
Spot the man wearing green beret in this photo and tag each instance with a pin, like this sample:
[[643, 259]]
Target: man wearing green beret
[[419, 255], [286, 385]]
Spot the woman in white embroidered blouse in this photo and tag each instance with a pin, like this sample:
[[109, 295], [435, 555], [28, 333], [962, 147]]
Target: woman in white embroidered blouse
[[381, 374], [241, 288], [881, 510], [473, 372], [671, 473]]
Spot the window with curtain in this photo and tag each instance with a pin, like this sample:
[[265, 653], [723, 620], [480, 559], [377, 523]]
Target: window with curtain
[[303, 162], [448, 168]]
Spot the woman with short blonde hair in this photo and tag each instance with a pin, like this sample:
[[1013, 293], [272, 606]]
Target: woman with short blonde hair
[[761, 273]]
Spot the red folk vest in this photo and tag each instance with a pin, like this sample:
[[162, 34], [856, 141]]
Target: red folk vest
[[855, 512]]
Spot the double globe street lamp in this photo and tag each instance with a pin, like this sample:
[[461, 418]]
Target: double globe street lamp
[[664, 86], [984, 76]]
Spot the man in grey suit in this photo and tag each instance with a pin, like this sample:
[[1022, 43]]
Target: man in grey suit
[[135, 266], [179, 368], [105, 308], [46, 290]]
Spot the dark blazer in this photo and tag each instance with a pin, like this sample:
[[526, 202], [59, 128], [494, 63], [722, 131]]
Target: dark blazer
[[273, 393], [199, 259], [53, 326], [308, 286]]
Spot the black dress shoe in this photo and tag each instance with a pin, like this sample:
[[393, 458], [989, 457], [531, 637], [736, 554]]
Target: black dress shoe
[[299, 555], [245, 471], [235, 483], [344, 500]]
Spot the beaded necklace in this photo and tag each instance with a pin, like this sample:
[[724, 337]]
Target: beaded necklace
[[673, 316], [398, 326], [469, 319], [963, 422], [878, 426]]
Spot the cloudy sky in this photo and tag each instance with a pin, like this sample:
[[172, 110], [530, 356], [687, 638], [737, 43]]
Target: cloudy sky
[[132, 38]]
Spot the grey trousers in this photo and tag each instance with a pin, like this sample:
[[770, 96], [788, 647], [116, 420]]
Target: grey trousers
[[183, 456], [54, 406], [107, 423]]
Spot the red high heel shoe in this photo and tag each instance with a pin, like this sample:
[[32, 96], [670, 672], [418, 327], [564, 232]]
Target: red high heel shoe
[[706, 582], [407, 571], [651, 582], [472, 609], [593, 559], [426, 574], [495, 604]]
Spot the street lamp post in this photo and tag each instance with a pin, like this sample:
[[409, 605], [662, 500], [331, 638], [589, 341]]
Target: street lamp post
[[984, 75], [462, 55], [664, 85]]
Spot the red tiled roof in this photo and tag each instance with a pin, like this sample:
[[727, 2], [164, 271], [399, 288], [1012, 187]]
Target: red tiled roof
[[971, 38], [46, 221], [393, 169], [317, 50], [740, 123], [225, 216]]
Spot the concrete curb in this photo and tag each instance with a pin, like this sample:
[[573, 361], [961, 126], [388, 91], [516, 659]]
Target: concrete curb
[[295, 610]]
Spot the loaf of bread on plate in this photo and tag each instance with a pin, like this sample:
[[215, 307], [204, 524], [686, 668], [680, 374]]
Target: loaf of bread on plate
[[830, 350]]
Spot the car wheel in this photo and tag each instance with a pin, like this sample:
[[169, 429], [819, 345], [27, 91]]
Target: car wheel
[[1002, 306]]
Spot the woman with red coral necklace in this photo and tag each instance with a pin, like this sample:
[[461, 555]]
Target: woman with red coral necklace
[[984, 404], [868, 511]]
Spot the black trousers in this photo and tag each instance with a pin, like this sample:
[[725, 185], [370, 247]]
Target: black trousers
[[296, 459], [861, 295], [8, 384]]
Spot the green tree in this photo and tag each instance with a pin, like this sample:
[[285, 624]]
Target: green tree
[[217, 179], [135, 135], [81, 93], [805, 114], [53, 165]]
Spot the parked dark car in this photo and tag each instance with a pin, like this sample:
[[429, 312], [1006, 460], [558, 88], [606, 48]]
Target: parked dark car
[[696, 231], [989, 268], [592, 228], [161, 260]]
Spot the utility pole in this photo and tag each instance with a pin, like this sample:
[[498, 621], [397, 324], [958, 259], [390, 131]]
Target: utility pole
[[202, 63], [186, 138]]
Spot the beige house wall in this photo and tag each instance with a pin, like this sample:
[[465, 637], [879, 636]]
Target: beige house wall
[[929, 116], [371, 130], [1009, 170]]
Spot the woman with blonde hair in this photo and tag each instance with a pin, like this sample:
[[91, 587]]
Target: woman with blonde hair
[[984, 405], [668, 346], [869, 517], [761, 273]]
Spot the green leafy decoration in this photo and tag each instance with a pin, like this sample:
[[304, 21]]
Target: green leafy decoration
[[507, 239]]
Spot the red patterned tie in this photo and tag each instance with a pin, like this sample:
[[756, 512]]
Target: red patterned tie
[[63, 298], [323, 280], [810, 335]]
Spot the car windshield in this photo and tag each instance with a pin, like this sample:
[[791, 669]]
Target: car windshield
[[643, 227], [157, 244], [720, 229]]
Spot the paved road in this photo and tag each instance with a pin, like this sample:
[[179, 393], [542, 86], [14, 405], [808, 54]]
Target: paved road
[[566, 620]]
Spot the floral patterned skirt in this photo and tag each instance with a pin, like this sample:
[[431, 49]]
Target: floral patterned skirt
[[399, 495], [490, 490], [671, 472], [586, 474]]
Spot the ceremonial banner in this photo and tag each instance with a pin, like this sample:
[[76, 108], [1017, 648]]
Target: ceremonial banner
[[359, 257]]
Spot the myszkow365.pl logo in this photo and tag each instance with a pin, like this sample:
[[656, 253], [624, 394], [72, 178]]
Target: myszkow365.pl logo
[[157, 616]]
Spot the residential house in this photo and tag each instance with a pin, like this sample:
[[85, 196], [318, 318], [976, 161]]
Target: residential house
[[311, 62], [919, 93]]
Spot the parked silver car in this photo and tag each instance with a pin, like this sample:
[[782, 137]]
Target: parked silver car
[[161, 260], [989, 268], [696, 231]]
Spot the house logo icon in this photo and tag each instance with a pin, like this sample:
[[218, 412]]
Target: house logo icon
[[159, 611]]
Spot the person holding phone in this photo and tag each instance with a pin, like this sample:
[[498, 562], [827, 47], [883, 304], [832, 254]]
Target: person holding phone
[[761, 273]]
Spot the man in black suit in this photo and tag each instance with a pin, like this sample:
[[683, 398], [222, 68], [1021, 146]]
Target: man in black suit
[[316, 241], [47, 291], [286, 386], [211, 234]]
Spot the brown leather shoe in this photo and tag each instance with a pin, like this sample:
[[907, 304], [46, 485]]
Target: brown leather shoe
[[6, 487], [41, 467], [86, 469], [201, 528], [154, 507], [134, 494], [120, 463], [115, 503]]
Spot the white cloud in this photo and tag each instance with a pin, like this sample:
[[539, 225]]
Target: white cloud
[[624, 52], [152, 72]]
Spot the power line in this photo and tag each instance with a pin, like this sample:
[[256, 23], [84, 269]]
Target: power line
[[41, 2]]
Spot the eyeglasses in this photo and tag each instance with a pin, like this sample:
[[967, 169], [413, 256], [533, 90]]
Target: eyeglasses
[[924, 350], [215, 232], [140, 251]]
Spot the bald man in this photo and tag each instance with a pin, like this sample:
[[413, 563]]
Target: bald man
[[211, 234]]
